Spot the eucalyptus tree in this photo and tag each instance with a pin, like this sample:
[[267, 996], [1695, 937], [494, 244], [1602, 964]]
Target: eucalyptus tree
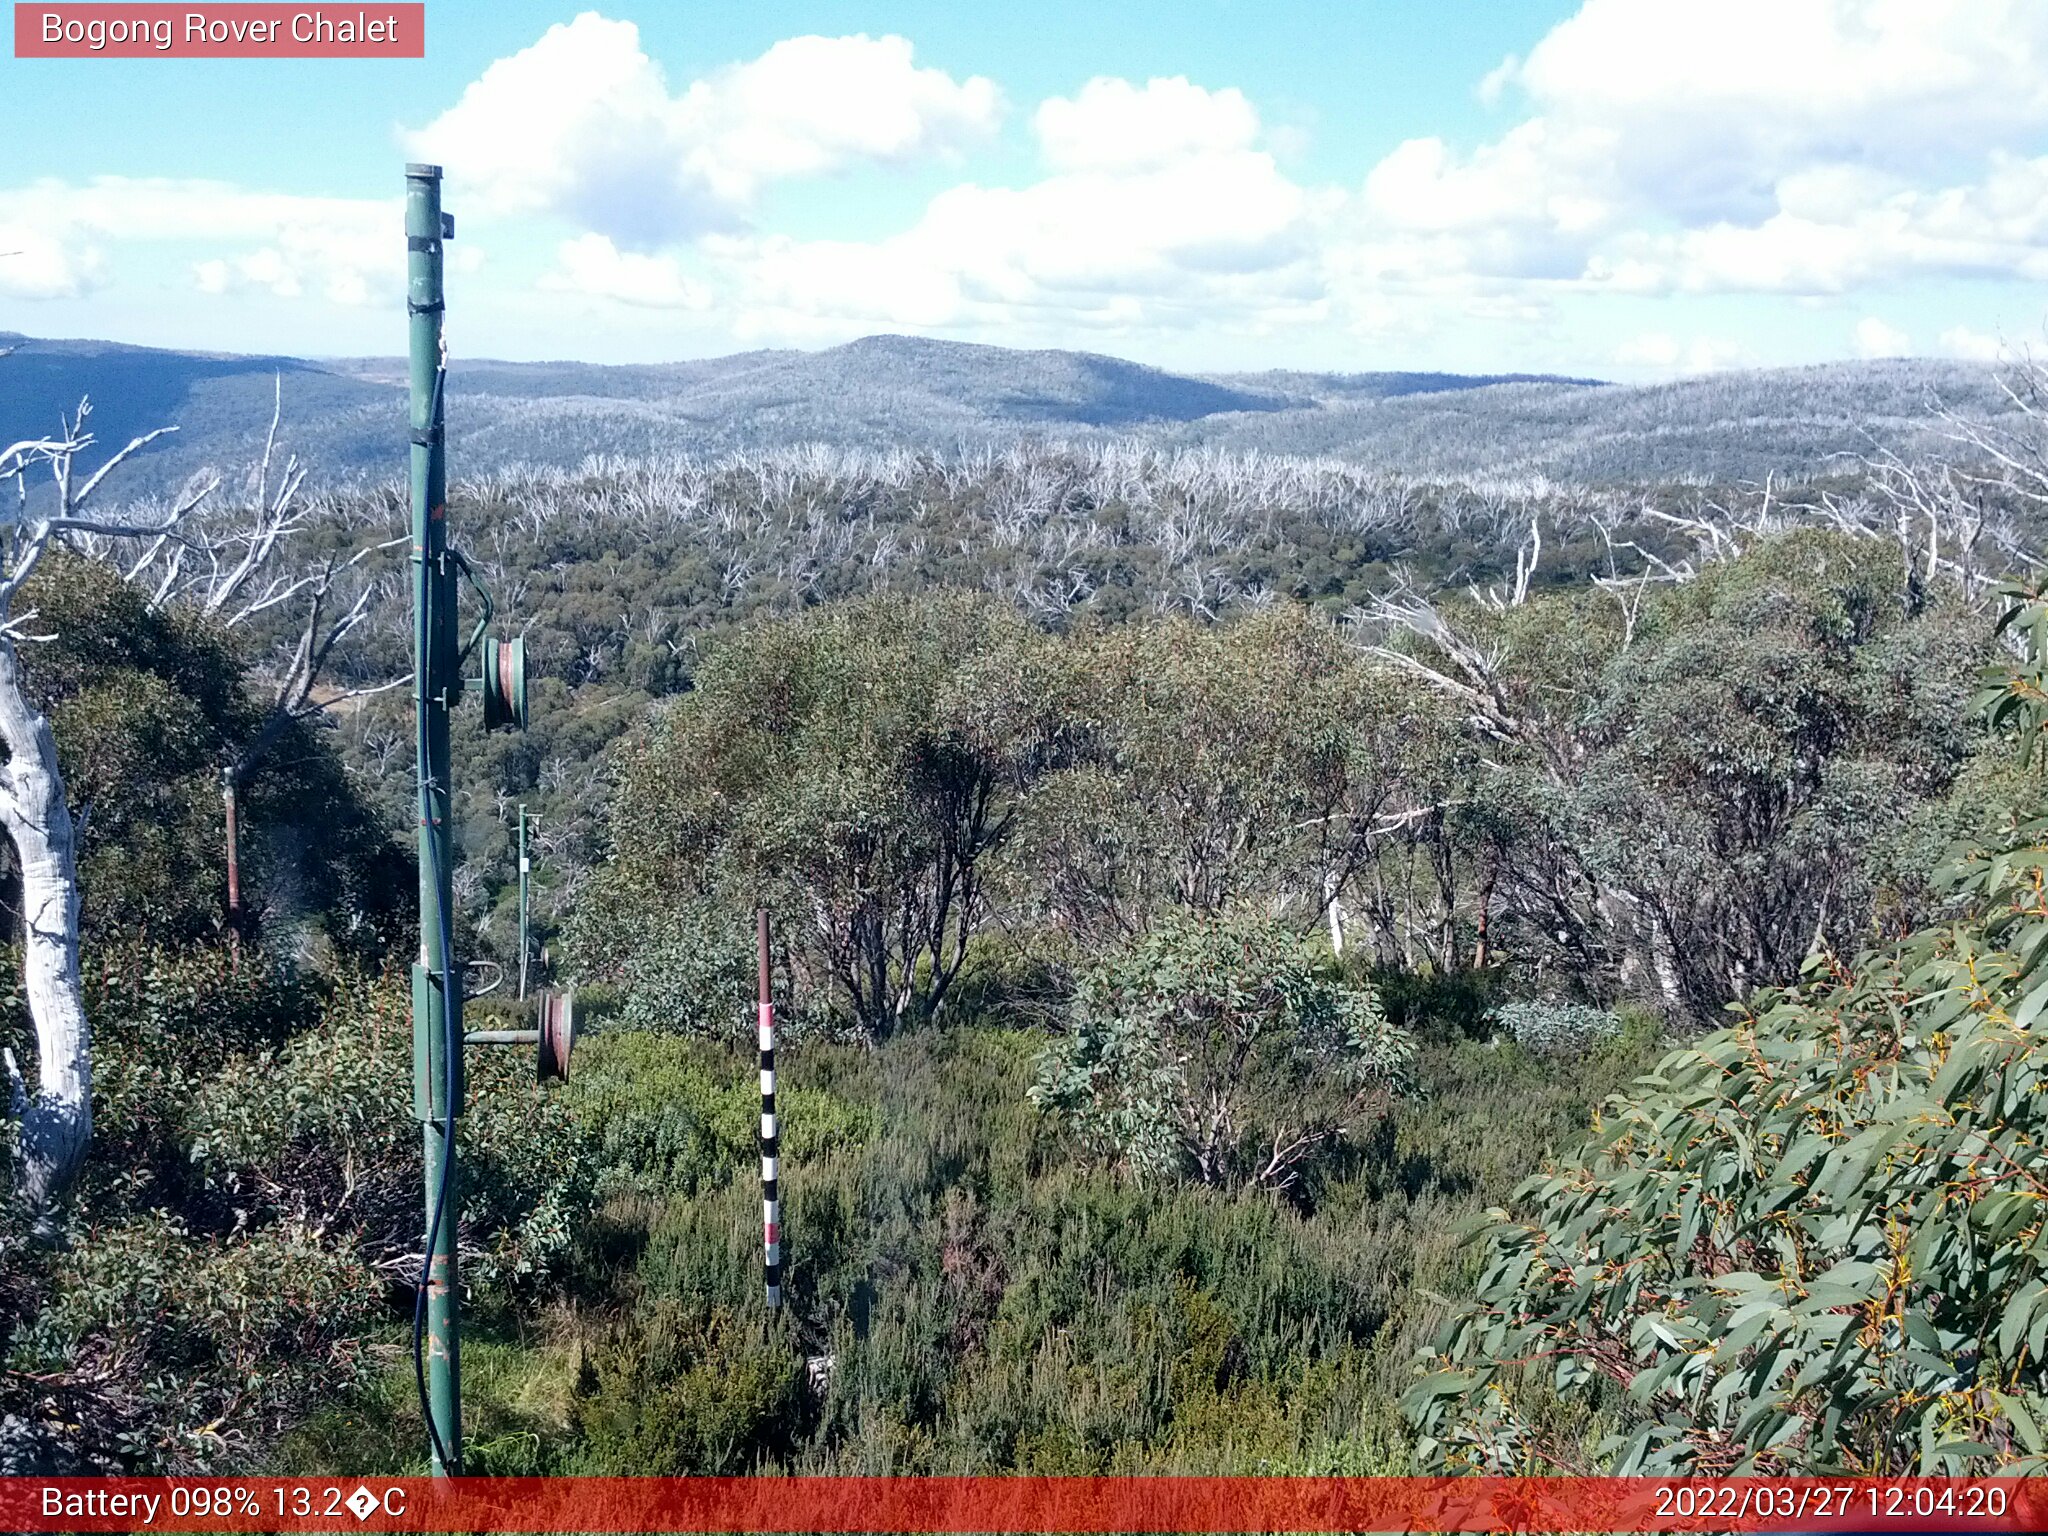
[[854, 768], [1812, 1241], [1213, 765], [1700, 779]]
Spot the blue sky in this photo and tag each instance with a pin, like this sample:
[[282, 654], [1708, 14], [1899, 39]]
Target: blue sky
[[1612, 187]]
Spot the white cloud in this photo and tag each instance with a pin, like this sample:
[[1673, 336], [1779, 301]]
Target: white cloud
[[1494, 83], [38, 263], [1815, 150], [836, 289], [1778, 145], [1158, 207], [1113, 125], [1423, 186], [1710, 105], [593, 266], [1877, 338], [1505, 211], [1224, 233], [810, 105], [1659, 352], [1840, 228], [264, 268], [1976, 346], [1216, 234], [347, 250], [582, 125]]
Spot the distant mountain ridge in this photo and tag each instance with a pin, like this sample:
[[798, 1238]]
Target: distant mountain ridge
[[346, 416]]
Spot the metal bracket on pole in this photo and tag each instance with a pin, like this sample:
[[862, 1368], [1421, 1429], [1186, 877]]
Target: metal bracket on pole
[[429, 1066]]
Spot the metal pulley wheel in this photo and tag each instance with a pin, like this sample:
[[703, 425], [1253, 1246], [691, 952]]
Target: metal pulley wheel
[[504, 684], [557, 1033]]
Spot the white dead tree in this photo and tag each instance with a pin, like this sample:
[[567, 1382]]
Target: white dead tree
[[1463, 657], [234, 565], [1963, 517], [1501, 598], [55, 1122]]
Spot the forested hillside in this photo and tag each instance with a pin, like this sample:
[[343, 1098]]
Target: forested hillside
[[900, 392], [1205, 883]]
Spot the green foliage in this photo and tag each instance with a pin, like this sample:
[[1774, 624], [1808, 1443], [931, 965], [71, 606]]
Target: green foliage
[[1670, 801], [1553, 1027], [1432, 1004], [668, 1117], [147, 707], [1217, 764], [685, 1392], [856, 765], [962, 1298], [328, 1116], [955, 814], [250, 1199], [1743, 761], [165, 1024], [1812, 1241], [185, 1329], [687, 967], [1212, 1046]]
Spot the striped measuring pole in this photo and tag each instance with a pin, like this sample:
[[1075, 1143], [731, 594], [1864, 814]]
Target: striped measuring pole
[[771, 1204]]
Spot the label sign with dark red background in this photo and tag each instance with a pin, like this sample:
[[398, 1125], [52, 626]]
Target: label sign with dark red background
[[370, 30]]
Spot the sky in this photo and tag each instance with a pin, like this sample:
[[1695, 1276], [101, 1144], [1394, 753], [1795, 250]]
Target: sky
[[1626, 189]]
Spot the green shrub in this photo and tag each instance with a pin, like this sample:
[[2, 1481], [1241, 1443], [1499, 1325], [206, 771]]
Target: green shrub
[[1554, 1028], [212, 1339], [328, 1117], [1214, 1047], [1437, 1005], [691, 1392], [671, 1117], [961, 1298], [164, 1023], [146, 705], [251, 1201], [664, 961]]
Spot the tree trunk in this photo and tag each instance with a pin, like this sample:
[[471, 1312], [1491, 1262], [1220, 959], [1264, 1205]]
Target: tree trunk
[[57, 1122], [1479, 950]]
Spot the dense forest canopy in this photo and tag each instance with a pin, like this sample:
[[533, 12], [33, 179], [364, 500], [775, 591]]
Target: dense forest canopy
[[1203, 883]]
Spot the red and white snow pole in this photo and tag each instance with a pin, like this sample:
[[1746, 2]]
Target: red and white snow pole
[[771, 1204]]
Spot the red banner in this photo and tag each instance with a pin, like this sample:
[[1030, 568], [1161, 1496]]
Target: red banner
[[103, 31], [1024, 1504]]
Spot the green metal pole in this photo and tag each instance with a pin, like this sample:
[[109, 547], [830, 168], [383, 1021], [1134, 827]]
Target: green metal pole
[[437, 996], [524, 946]]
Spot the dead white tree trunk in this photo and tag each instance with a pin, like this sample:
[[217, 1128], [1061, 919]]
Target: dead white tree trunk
[[55, 1122]]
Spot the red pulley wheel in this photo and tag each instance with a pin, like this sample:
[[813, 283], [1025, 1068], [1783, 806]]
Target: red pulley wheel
[[557, 1033], [504, 684]]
